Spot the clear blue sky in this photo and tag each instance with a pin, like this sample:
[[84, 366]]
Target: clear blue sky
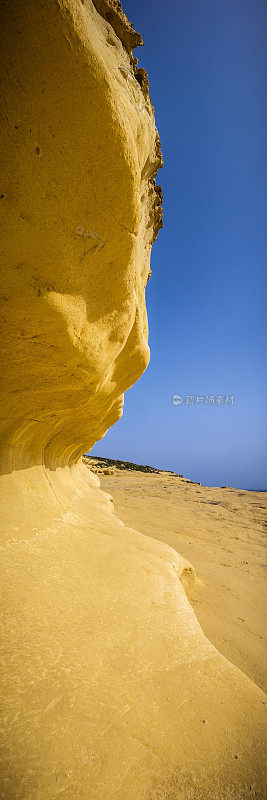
[[207, 67]]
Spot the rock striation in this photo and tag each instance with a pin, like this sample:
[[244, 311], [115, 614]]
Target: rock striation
[[107, 675]]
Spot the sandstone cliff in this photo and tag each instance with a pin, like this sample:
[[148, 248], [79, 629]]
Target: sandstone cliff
[[81, 212], [107, 676]]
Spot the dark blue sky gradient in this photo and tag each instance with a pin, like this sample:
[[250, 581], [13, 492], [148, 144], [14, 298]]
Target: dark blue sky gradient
[[207, 67]]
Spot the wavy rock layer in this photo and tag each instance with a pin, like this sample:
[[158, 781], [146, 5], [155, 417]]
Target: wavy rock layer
[[107, 676]]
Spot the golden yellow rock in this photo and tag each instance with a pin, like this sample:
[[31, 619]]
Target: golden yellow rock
[[221, 530], [110, 688]]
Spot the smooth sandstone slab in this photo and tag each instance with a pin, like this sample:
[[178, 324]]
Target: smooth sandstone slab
[[222, 532], [110, 688]]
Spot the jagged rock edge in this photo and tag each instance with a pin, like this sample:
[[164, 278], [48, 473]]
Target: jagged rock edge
[[112, 12]]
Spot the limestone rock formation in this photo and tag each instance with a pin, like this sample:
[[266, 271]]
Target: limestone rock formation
[[81, 213], [107, 676]]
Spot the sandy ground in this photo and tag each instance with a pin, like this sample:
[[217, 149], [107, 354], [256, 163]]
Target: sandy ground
[[221, 532]]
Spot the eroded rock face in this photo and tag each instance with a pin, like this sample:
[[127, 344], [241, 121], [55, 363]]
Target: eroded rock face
[[81, 212], [107, 677]]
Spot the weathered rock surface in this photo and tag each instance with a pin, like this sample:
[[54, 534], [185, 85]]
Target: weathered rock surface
[[81, 212], [107, 676]]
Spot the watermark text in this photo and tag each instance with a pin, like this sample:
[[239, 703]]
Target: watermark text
[[203, 399]]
